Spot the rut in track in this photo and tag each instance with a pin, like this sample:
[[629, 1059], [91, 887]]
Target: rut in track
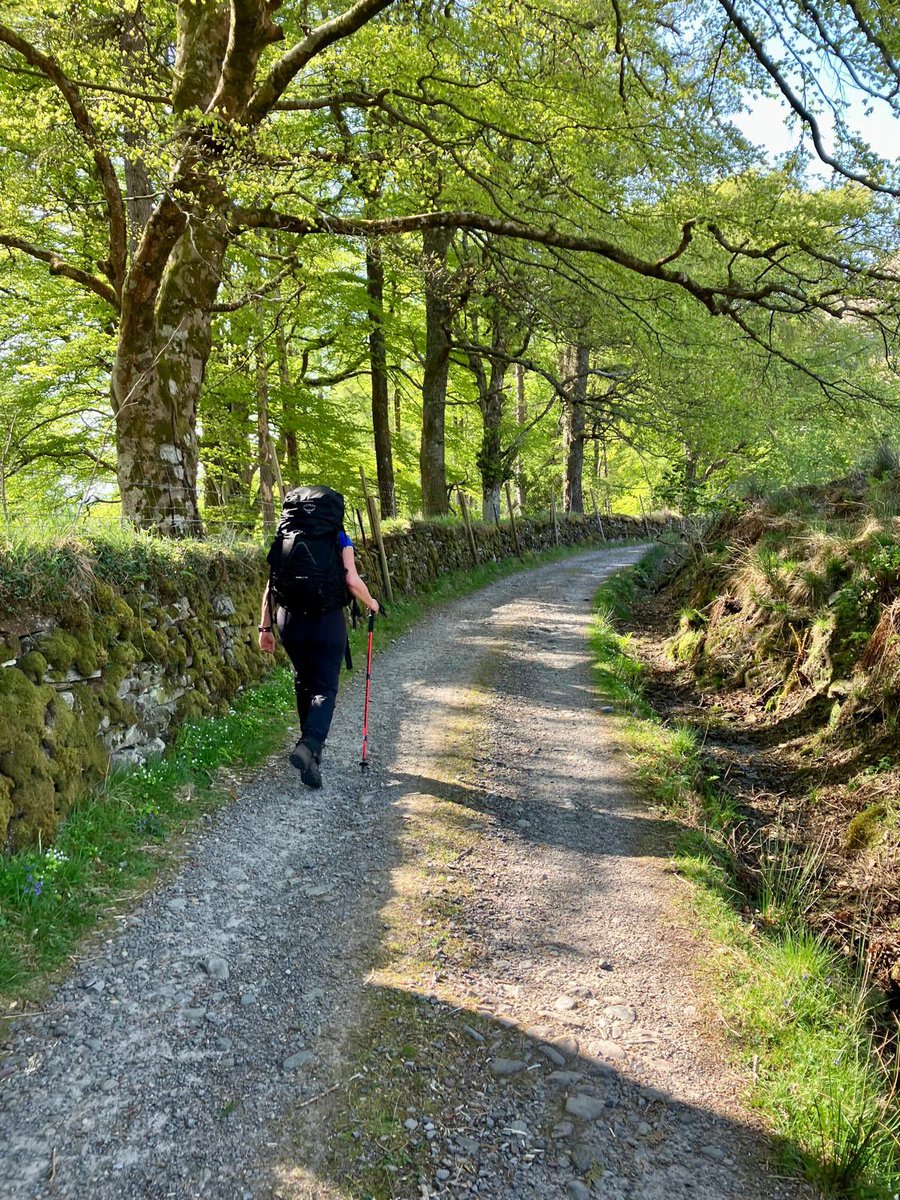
[[204, 1049]]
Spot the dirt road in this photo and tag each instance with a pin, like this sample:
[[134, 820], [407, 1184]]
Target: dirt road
[[467, 974]]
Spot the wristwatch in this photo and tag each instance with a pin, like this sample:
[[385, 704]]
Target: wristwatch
[[264, 628]]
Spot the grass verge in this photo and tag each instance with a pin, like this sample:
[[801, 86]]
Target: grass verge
[[117, 839], [799, 1019]]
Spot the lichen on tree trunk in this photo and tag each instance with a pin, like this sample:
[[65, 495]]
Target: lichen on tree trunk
[[156, 380], [381, 416], [432, 463]]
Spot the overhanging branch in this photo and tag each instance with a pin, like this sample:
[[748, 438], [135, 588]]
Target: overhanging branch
[[717, 299], [59, 266], [765, 60]]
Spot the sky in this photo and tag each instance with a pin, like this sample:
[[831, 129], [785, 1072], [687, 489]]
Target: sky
[[771, 123]]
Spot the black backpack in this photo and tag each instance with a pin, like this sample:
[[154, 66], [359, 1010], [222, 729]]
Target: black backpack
[[306, 571]]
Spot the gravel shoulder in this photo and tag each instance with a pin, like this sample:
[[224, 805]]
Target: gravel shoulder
[[543, 1036]]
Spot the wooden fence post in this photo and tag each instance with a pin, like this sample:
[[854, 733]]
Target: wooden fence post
[[644, 515], [553, 517], [362, 528], [375, 522], [599, 519], [512, 520], [467, 521]]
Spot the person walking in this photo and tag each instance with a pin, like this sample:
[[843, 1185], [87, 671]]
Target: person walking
[[312, 577]]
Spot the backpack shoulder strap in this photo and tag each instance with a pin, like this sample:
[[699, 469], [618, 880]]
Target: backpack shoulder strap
[[274, 553]]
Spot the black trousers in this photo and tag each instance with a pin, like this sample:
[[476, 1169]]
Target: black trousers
[[315, 646]]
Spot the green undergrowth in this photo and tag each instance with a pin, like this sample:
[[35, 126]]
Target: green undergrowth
[[118, 837], [799, 1019]]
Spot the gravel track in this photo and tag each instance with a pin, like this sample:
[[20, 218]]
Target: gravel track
[[171, 1060]]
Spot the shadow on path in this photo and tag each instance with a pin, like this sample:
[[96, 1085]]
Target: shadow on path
[[450, 1102]]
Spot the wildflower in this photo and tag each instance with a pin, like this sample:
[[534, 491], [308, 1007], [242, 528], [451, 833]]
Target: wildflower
[[34, 885]]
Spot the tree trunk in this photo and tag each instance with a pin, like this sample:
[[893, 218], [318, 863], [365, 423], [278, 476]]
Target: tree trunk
[[573, 429], [381, 416], [521, 418], [690, 481], [266, 473], [165, 325], [490, 456], [432, 461], [288, 410], [138, 188], [156, 380], [4, 502]]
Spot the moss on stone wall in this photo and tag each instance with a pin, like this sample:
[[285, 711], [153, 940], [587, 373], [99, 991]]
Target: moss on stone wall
[[105, 643]]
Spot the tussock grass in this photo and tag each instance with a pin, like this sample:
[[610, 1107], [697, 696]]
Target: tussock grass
[[49, 568], [799, 1019]]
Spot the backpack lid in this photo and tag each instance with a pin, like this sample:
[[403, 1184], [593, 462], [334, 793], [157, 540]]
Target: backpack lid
[[315, 511]]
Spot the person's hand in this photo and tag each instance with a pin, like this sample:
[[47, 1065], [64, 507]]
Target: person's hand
[[267, 642], [374, 606]]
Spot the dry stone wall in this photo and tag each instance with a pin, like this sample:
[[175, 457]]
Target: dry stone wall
[[107, 646]]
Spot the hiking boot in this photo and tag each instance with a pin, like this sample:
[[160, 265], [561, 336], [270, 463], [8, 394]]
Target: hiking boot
[[306, 763]]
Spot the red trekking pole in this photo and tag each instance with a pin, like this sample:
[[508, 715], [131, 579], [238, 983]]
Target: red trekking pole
[[364, 761]]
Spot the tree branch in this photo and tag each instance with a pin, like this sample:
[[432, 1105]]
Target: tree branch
[[339, 100], [109, 182], [317, 40], [252, 29], [230, 306], [59, 266], [715, 298], [84, 86], [755, 44]]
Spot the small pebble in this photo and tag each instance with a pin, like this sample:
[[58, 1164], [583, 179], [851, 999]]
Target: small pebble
[[300, 1059], [216, 968], [558, 1060], [716, 1153], [585, 1108], [504, 1067], [620, 1012]]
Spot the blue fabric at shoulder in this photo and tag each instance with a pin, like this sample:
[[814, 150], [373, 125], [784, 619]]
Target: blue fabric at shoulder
[[344, 541]]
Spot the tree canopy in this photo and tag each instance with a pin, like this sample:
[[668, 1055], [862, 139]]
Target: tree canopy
[[248, 244]]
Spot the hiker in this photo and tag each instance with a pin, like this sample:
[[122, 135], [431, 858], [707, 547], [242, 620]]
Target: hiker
[[312, 577]]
